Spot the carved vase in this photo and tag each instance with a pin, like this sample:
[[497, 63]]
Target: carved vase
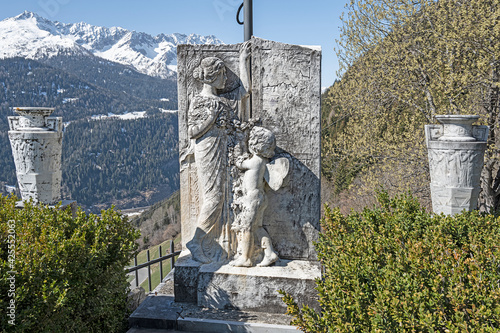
[[456, 156], [36, 141]]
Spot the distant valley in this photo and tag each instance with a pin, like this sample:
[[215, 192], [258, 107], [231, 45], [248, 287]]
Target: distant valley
[[116, 91]]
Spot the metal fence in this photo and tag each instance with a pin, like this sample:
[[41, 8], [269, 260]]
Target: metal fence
[[150, 262]]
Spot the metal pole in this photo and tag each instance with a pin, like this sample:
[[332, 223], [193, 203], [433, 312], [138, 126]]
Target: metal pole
[[149, 273], [248, 20], [136, 273], [172, 260], [161, 267]]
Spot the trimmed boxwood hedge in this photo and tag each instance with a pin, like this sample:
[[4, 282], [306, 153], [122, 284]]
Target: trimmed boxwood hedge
[[398, 268], [70, 275]]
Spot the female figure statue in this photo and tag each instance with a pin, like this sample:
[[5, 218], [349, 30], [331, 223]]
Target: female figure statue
[[210, 117]]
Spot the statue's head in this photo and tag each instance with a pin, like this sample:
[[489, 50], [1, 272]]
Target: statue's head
[[211, 71], [262, 142]]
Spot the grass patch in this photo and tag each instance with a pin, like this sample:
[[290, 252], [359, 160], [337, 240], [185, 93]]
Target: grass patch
[[154, 253]]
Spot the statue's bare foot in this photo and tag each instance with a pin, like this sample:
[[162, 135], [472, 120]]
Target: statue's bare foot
[[241, 262], [268, 260]]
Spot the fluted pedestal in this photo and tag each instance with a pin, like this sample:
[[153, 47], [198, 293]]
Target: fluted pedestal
[[456, 156], [36, 141]]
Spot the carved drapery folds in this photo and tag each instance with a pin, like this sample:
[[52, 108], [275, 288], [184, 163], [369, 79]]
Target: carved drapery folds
[[249, 143], [222, 97]]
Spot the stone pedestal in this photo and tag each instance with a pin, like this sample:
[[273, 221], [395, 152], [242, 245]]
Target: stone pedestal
[[36, 141], [245, 288], [456, 156], [249, 145]]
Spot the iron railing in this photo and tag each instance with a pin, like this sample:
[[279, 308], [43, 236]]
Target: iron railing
[[150, 262]]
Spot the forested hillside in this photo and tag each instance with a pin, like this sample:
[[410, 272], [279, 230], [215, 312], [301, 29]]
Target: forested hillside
[[106, 161], [403, 62], [160, 222], [115, 89], [128, 163], [117, 159]]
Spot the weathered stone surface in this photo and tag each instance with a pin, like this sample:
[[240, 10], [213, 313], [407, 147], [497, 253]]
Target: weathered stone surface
[[156, 312], [256, 288], [249, 140], [285, 96], [135, 297], [36, 142], [188, 324], [456, 157], [186, 279], [250, 199]]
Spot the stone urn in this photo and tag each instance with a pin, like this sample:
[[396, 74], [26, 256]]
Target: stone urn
[[456, 156], [36, 141]]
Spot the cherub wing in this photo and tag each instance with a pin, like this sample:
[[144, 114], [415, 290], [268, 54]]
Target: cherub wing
[[276, 172]]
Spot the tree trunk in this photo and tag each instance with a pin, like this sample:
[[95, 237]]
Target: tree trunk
[[489, 199]]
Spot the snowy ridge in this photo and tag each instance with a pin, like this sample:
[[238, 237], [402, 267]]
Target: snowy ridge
[[126, 116], [31, 36]]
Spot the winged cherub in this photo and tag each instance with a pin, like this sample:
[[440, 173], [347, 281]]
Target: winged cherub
[[257, 170]]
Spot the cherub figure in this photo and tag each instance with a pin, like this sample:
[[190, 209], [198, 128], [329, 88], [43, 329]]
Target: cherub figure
[[253, 203]]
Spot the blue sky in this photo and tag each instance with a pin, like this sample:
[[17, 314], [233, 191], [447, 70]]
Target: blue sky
[[313, 22]]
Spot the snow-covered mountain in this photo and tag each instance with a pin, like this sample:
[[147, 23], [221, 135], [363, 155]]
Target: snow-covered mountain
[[31, 36]]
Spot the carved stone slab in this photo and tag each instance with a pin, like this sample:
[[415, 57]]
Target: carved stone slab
[[249, 144], [286, 98]]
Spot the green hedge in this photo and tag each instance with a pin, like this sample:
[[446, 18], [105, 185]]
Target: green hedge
[[399, 269], [70, 275]]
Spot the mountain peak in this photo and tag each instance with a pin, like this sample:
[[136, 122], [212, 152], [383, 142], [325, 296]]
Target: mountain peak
[[27, 15], [31, 36]]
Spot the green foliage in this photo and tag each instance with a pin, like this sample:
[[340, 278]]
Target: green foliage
[[399, 269], [103, 160], [403, 62], [70, 271]]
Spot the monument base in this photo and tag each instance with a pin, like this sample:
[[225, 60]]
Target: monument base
[[453, 200], [251, 289]]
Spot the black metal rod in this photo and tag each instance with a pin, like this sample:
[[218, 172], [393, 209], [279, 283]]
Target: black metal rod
[[172, 259], [136, 273], [238, 14], [161, 267], [149, 274], [248, 20]]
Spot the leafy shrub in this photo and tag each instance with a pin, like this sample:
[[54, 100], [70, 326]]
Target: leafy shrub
[[70, 275], [400, 269]]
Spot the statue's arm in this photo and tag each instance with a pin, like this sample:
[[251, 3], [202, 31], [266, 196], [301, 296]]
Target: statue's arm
[[197, 130], [243, 162]]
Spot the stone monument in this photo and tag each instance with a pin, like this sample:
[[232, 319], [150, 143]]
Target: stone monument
[[456, 156], [36, 141], [249, 141]]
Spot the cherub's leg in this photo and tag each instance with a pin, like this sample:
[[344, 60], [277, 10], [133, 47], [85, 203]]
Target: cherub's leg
[[238, 250], [250, 203], [270, 256], [245, 241]]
